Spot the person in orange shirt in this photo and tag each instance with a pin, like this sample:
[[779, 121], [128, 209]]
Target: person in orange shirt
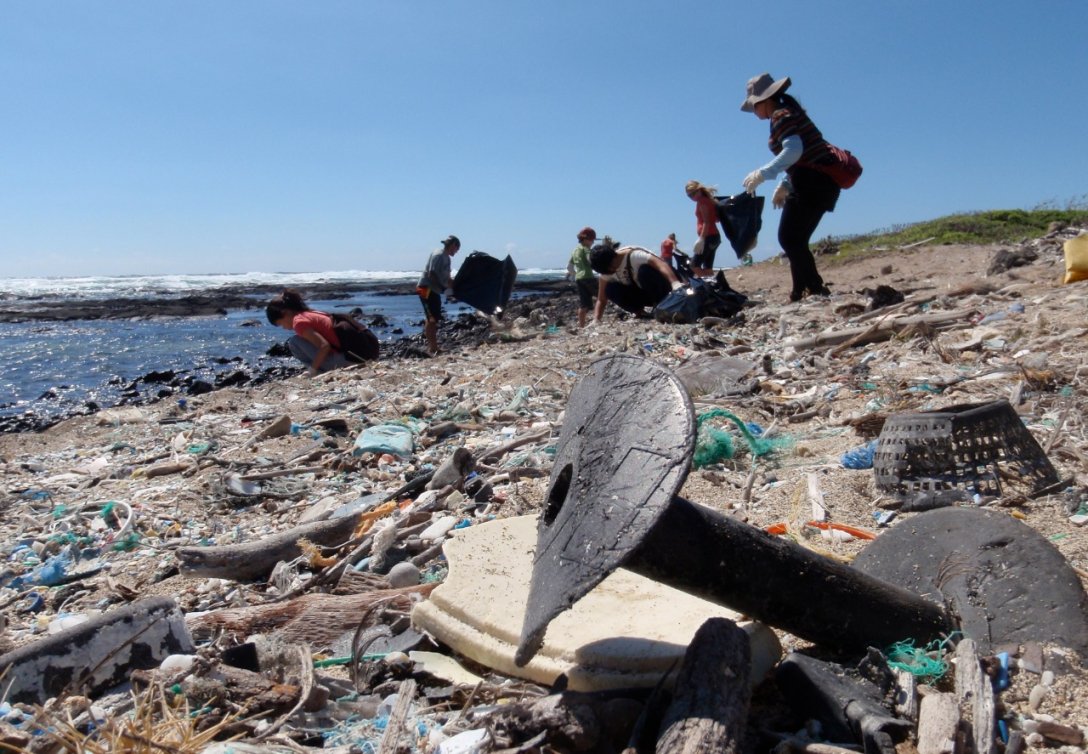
[[668, 246], [706, 224]]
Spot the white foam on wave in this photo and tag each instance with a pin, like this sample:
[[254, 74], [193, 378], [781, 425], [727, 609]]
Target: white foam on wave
[[83, 288], [149, 285]]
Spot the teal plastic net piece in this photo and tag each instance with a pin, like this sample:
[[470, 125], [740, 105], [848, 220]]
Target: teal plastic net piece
[[926, 663], [713, 444]]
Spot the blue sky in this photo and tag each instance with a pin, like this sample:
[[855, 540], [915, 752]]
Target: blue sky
[[189, 137]]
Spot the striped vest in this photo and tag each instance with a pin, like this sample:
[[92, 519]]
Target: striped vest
[[787, 121]]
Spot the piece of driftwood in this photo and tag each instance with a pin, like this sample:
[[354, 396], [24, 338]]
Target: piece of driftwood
[[710, 706], [310, 618], [165, 469], [263, 475], [1063, 734], [252, 560], [395, 728], [251, 693], [923, 242], [906, 694], [356, 582], [880, 330], [405, 526], [441, 429], [306, 681], [498, 451], [886, 311], [976, 698], [280, 427], [938, 721]]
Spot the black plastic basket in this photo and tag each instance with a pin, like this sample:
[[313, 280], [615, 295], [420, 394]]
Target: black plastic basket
[[954, 453]]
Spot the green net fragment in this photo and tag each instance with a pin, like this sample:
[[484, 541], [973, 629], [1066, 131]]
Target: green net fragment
[[713, 444], [926, 662]]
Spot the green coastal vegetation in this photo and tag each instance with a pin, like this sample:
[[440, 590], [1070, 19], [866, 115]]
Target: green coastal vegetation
[[984, 227]]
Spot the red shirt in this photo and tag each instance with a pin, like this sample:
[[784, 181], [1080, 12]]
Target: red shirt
[[320, 323], [667, 246], [706, 216]]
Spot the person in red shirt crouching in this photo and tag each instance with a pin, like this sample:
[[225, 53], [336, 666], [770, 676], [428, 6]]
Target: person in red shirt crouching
[[315, 342]]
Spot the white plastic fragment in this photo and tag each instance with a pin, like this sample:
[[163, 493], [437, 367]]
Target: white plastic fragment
[[238, 486], [177, 663], [62, 622], [1035, 698], [445, 667], [466, 742], [440, 527]]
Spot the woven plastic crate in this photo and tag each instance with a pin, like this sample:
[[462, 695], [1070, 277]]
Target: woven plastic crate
[[956, 452]]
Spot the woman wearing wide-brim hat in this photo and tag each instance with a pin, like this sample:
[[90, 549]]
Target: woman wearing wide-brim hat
[[804, 194]]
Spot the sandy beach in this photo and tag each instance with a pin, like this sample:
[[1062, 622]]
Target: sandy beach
[[174, 467]]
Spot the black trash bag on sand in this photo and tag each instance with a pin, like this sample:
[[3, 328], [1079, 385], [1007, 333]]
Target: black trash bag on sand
[[700, 298]]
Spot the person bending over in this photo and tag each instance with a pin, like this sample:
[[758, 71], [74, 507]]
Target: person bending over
[[631, 277], [315, 342]]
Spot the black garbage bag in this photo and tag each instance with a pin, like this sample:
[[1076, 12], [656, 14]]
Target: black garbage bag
[[484, 282], [700, 298], [741, 217], [681, 265], [680, 307]]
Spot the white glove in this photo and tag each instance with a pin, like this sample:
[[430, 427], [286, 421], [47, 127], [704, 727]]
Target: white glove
[[676, 285], [780, 194], [753, 180]]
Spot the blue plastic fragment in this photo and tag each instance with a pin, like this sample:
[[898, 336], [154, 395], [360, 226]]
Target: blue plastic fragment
[[860, 457], [1001, 681], [33, 603], [883, 518]]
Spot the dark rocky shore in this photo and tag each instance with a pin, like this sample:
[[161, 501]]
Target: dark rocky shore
[[465, 331], [219, 302]]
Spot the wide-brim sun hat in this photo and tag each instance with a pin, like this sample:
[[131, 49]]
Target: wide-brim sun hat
[[763, 87]]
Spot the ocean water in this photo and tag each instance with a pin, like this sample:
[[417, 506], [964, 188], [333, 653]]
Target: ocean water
[[56, 368], [150, 286]]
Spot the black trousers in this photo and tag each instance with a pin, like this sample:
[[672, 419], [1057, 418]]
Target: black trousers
[[812, 194]]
